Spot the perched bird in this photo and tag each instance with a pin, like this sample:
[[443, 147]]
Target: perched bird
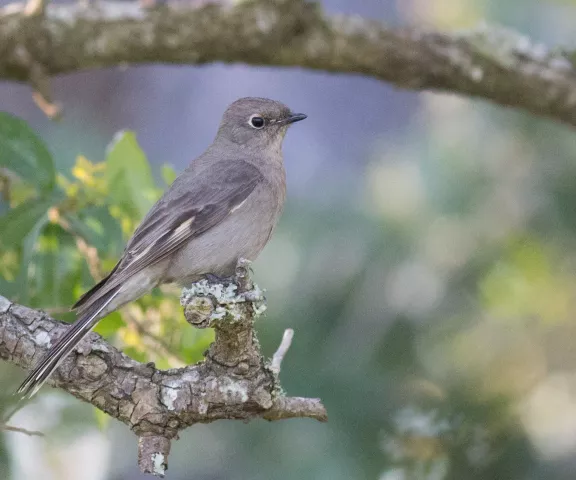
[[223, 207]]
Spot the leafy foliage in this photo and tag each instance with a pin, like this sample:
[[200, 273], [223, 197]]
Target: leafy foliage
[[24, 153], [60, 232]]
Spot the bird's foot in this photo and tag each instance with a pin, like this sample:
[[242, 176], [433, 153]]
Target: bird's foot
[[215, 279]]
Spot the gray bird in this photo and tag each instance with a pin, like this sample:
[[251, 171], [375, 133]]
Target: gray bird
[[223, 207]]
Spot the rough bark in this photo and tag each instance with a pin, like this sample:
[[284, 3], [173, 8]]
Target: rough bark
[[233, 382], [495, 64]]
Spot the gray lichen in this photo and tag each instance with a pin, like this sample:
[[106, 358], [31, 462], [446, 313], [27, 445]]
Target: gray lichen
[[223, 294], [43, 338], [209, 303], [168, 397], [4, 304], [509, 48], [159, 462]]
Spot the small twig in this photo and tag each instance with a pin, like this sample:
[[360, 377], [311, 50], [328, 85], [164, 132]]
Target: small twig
[[32, 433], [42, 94], [35, 8], [148, 4], [158, 342], [38, 77], [282, 350], [52, 110], [38, 74], [91, 255], [153, 454], [5, 185], [89, 252], [297, 407]]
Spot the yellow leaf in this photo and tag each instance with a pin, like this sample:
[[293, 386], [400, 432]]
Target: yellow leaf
[[102, 419]]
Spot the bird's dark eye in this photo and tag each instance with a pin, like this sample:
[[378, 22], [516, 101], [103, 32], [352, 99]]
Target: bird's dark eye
[[256, 121]]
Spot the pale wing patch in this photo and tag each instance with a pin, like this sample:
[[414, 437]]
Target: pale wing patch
[[236, 207], [183, 227], [137, 255]]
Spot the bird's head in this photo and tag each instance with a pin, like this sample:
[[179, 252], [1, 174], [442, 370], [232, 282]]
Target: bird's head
[[257, 122]]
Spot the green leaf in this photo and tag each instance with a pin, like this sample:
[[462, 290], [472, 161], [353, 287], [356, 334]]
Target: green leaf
[[56, 265], [102, 419], [98, 228], [134, 354], [129, 175], [21, 287], [194, 343], [24, 153], [109, 325], [45, 263], [18, 222], [168, 174]]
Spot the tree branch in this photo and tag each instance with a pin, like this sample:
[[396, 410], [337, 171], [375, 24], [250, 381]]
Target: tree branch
[[233, 382], [494, 64]]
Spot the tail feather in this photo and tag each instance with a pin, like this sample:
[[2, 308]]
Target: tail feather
[[73, 335], [96, 289]]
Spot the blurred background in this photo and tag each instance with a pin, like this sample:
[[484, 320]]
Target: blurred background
[[426, 260]]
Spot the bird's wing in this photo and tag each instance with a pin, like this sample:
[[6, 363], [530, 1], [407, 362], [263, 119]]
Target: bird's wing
[[183, 213]]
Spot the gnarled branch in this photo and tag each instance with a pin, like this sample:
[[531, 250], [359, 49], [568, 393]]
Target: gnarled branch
[[233, 382], [494, 64]]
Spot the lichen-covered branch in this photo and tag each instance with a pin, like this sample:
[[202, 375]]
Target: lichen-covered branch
[[491, 63], [234, 381]]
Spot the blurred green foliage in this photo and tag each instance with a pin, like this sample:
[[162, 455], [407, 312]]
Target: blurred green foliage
[[62, 231]]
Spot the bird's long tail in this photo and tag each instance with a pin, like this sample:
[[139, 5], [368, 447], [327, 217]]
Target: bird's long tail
[[64, 345]]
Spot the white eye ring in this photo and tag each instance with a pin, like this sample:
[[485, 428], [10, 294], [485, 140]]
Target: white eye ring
[[256, 121]]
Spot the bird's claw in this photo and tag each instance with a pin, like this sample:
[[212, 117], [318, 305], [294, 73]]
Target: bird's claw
[[215, 279]]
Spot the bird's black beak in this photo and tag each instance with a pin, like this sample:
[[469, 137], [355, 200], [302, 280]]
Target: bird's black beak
[[294, 117]]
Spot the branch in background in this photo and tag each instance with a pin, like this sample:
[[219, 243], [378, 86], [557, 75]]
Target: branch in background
[[30, 433], [39, 78], [234, 381], [33, 12], [494, 64]]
